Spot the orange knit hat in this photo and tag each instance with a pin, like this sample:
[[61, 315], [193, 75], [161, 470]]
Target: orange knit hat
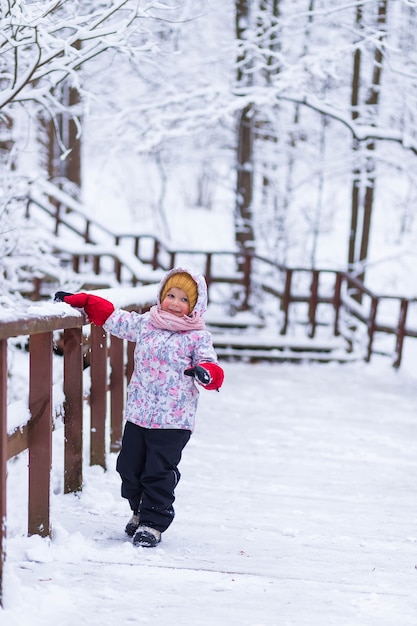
[[183, 281]]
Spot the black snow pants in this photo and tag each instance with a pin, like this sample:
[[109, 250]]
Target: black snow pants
[[147, 464]]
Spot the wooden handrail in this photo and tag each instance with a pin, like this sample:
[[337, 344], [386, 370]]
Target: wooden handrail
[[36, 434], [73, 409], [49, 198], [111, 355], [3, 457], [40, 432]]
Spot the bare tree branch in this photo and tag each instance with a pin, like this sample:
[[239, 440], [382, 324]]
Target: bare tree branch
[[37, 43]]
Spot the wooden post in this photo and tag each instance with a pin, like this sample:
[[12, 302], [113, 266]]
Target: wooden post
[[73, 408], [96, 264], [40, 432], [118, 269], [312, 305], [285, 304], [155, 256], [247, 269], [116, 392], [400, 332], [98, 396], [371, 326], [130, 365], [208, 270], [337, 301], [3, 457], [58, 208]]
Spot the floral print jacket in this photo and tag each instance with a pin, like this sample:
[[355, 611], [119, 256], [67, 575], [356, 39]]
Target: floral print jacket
[[160, 395]]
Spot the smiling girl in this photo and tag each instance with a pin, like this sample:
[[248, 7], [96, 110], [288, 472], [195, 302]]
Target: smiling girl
[[173, 352]]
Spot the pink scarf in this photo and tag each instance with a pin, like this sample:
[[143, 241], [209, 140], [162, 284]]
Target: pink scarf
[[168, 321]]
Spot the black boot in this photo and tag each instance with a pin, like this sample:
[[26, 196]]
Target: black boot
[[132, 525], [147, 537]]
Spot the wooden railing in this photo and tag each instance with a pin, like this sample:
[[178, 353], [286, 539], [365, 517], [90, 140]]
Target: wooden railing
[[347, 304], [337, 300], [352, 308], [384, 314], [106, 355], [332, 298]]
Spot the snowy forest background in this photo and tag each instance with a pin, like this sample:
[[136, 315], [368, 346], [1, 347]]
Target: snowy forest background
[[287, 126]]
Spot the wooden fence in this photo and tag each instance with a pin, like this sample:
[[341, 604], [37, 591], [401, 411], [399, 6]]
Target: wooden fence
[[335, 299], [107, 355], [353, 310]]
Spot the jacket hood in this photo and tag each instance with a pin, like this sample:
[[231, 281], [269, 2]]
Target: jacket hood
[[201, 304]]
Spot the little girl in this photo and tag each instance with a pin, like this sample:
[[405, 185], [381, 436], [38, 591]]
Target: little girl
[[173, 351]]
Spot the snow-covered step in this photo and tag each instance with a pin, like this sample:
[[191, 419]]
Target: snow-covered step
[[280, 348], [218, 321], [285, 355], [259, 341]]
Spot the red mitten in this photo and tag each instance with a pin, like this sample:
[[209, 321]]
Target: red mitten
[[209, 375], [216, 373], [98, 309]]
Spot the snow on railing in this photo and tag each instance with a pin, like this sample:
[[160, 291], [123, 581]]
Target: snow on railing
[[371, 310], [111, 363], [301, 293]]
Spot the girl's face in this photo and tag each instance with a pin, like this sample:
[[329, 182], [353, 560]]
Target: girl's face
[[176, 302]]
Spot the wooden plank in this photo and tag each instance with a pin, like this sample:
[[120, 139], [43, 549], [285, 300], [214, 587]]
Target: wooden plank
[[130, 366], [267, 343], [3, 457], [40, 432], [251, 356], [18, 441], [240, 321], [117, 392], [73, 410], [98, 396], [35, 325]]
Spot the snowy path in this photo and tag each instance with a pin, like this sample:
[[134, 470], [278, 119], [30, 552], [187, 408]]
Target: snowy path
[[297, 506]]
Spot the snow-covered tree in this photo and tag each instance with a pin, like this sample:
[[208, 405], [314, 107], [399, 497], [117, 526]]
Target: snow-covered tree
[[173, 92], [44, 47], [329, 85]]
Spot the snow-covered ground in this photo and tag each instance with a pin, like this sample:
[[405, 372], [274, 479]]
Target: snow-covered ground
[[296, 506]]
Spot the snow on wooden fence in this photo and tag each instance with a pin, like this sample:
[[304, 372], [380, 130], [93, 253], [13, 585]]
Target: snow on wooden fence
[[111, 357], [352, 310], [344, 296]]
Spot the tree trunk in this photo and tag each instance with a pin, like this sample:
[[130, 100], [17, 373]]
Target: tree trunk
[[73, 160], [60, 135], [363, 194], [243, 219], [269, 13], [244, 175], [357, 58]]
